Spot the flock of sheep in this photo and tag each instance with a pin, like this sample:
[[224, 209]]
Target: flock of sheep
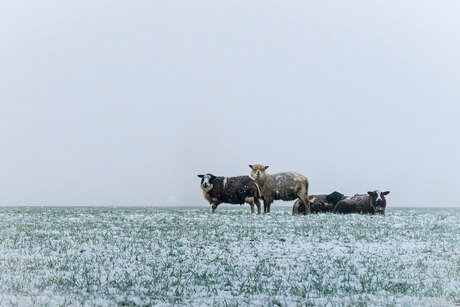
[[285, 186]]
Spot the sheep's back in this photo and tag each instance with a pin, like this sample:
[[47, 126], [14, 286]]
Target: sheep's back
[[234, 190], [355, 204]]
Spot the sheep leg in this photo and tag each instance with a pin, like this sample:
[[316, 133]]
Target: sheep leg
[[302, 192], [250, 201], [214, 205], [257, 201], [295, 209], [267, 204]]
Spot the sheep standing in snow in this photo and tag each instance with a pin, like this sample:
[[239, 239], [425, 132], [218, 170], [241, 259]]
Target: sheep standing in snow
[[280, 186], [231, 190]]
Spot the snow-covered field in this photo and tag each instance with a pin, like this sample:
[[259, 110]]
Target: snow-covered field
[[187, 256]]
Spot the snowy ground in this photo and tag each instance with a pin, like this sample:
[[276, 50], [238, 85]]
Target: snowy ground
[[187, 256]]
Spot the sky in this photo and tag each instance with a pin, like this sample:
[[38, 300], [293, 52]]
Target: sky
[[126, 102]]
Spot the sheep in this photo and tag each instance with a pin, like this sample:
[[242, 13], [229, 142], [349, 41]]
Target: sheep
[[372, 203], [231, 190], [283, 186], [319, 203]]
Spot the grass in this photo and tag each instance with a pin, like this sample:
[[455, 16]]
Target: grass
[[187, 256]]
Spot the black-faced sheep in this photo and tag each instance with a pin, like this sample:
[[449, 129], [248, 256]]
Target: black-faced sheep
[[231, 190], [372, 203], [280, 186], [319, 203]]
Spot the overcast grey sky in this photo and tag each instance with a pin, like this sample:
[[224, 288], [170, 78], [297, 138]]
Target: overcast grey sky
[[125, 102]]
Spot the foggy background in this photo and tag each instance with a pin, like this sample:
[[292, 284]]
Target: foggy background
[[125, 102]]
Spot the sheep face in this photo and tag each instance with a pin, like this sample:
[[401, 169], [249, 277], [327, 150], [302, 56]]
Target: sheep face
[[378, 200], [206, 181], [258, 172]]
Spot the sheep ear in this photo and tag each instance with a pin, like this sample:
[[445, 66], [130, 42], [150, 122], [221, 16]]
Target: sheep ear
[[370, 193], [250, 166], [265, 167], [200, 176], [386, 192]]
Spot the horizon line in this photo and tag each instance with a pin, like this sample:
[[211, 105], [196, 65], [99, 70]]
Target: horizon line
[[196, 205]]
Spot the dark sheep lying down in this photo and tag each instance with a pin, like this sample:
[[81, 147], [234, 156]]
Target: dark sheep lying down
[[372, 203], [230, 190], [319, 203]]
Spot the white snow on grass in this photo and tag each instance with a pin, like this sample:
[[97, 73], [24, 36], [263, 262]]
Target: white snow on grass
[[188, 256]]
